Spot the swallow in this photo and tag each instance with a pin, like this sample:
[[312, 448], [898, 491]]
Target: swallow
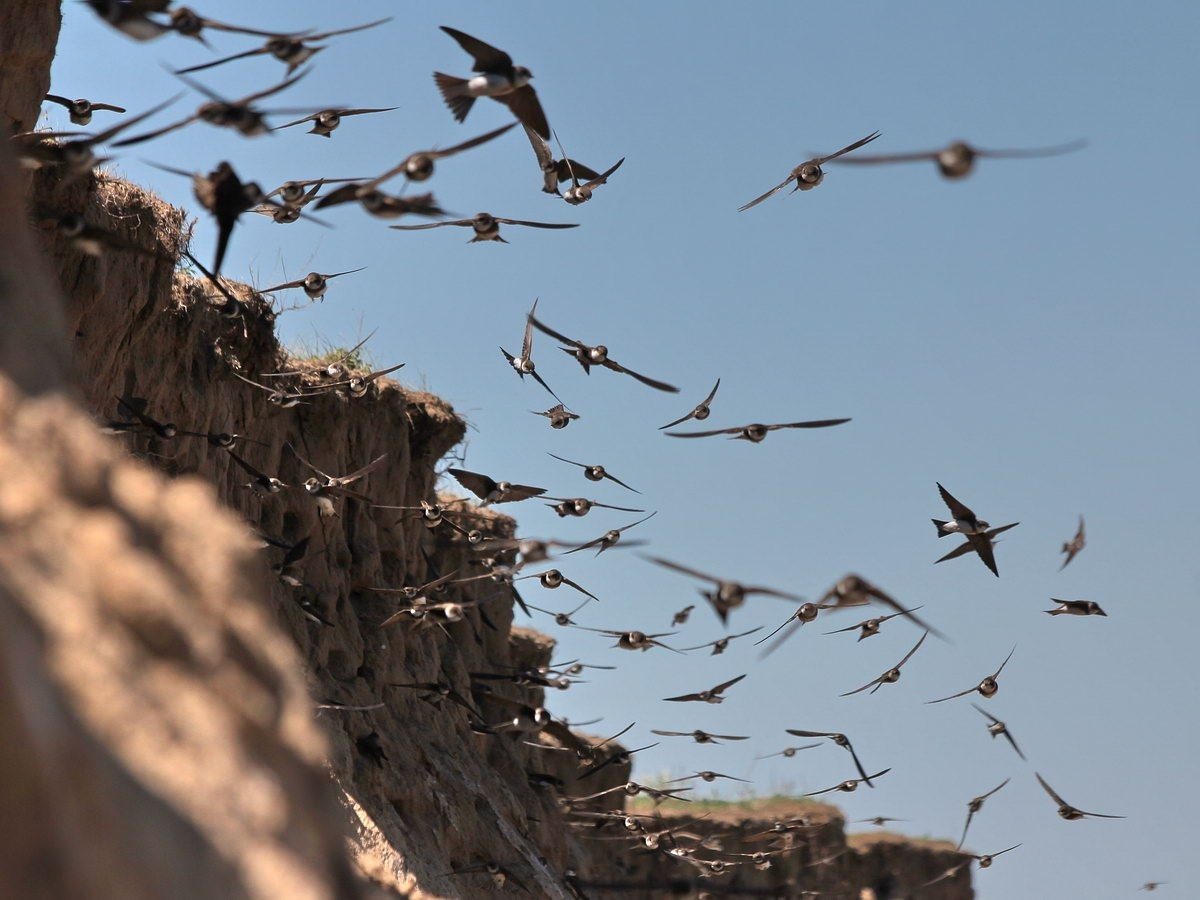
[[486, 226], [524, 365], [315, 284], [805, 613], [419, 595], [702, 737], [555, 172], [788, 752], [969, 547], [720, 645], [620, 758], [712, 695], [700, 412], [611, 538], [985, 861], [986, 688], [553, 579], [1072, 547], [588, 356], [134, 408], [958, 159], [847, 786], [1076, 608], [870, 627], [633, 789], [596, 473], [1065, 809], [842, 741], [286, 569], [681, 617], [358, 386], [809, 174], [854, 590], [188, 23], [292, 49], [968, 525], [324, 488], [92, 239], [498, 79], [635, 640], [221, 440], [756, 432], [277, 396], [132, 17], [500, 875], [561, 619], [40, 149], [996, 728], [725, 596], [974, 806], [581, 506], [1152, 885], [709, 776], [295, 195], [443, 691], [490, 491], [577, 193], [879, 821], [326, 122], [892, 675], [560, 417], [336, 368], [81, 109], [259, 482]]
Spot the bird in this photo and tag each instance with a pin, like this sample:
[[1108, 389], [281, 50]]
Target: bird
[[285, 569], [326, 122], [635, 640], [712, 695], [442, 690], [588, 356], [596, 473], [325, 487], [958, 159], [490, 491], [808, 174], [879, 821], [292, 49], [870, 627], [499, 79], [188, 23], [577, 193], [611, 538], [986, 688], [1072, 547], [581, 506], [486, 226], [95, 240], [295, 195], [854, 590], [968, 547], [135, 408], [842, 741], [996, 728], [681, 617], [553, 579], [524, 365], [1152, 885], [789, 752], [500, 875], [1065, 809], [259, 481], [721, 644], [358, 386], [560, 417], [132, 18], [968, 525], [974, 806], [278, 397], [892, 675], [700, 412], [847, 786], [563, 620], [315, 284], [756, 432], [725, 596], [80, 110], [1076, 608], [555, 172], [619, 758], [804, 614], [702, 737], [707, 775]]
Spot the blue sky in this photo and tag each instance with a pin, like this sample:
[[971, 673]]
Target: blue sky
[[1026, 336]]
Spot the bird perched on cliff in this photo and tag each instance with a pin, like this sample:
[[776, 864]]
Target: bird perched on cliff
[[588, 356], [974, 806], [958, 159], [579, 507], [700, 411], [870, 627], [315, 284], [756, 432], [1076, 608], [499, 79], [702, 737], [986, 688], [486, 226], [725, 596], [711, 695], [491, 491], [326, 122], [968, 525], [996, 728], [595, 472], [291, 49], [1065, 809], [611, 538], [842, 741], [848, 786], [892, 675], [721, 644], [809, 174], [1072, 547], [80, 110]]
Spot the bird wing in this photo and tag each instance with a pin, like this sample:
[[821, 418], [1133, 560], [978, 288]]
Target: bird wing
[[699, 434], [487, 58], [678, 421], [1056, 150], [916, 647], [779, 187], [602, 178], [849, 147], [422, 227], [257, 51], [817, 423], [649, 382], [682, 698], [1049, 790], [110, 107], [536, 224], [527, 108], [957, 509], [479, 485], [521, 492], [296, 122], [982, 545], [873, 681], [969, 690], [468, 144], [246, 466], [364, 471], [684, 569], [299, 282], [721, 688], [996, 674]]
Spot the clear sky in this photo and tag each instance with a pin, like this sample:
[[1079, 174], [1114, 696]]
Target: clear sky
[[1028, 337]]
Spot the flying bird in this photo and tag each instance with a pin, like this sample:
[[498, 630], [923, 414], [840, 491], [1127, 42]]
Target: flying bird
[[315, 284], [974, 806], [1076, 608], [725, 596], [847, 786], [485, 225], [1065, 809], [996, 728], [581, 506], [788, 752], [578, 193], [968, 525], [892, 675], [712, 695], [702, 737], [870, 627], [499, 79], [490, 491], [81, 109], [292, 49], [556, 172], [958, 159], [809, 174], [560, 417], [756, 432], [721, 644], [700, 412], [854, 590], [587, 356], [635, 640], [523, 365], [842, 741], [611, 538], [596, 473], [968, 547], [326, 122], [986, 688], [1072, 547]]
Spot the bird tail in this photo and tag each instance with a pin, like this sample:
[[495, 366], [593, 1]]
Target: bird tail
[[1053, 612], [454, 92], [940, 525]]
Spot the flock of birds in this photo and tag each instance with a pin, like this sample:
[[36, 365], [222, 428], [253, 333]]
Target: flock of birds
[[226, 196]]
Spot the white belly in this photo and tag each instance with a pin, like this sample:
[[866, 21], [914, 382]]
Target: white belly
[[488, 85]]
